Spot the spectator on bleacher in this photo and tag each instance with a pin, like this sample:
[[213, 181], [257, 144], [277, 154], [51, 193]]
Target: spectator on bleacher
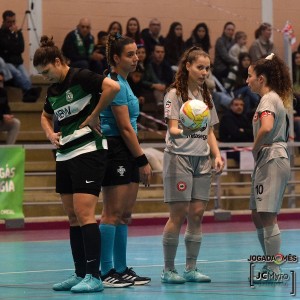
[[187, 167], [262, 46], [200, 38], [100, 65], [174, 45], [235, 125], [220, 96], [11, 48], [165, 75], [223, 61], [236, 84], [150, 82], [8, 123], [115, 27], [78, 46], [151, 36], [80, 156], [135, 81], [161, 67], [150, 86], [4, 70], [133, 31], [145, 88], [239, 46], [270, 78], [296, 91]]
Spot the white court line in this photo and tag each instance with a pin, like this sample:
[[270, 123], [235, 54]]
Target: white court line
[[140, 266], [148, 266]]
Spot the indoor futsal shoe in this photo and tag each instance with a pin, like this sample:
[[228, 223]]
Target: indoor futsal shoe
[[195, 276], [172, 277], [89, 284], [114, 280], [67, 284], [130, 275]]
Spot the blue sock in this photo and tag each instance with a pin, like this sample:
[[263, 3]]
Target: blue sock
[[108, 233], [120, 248]]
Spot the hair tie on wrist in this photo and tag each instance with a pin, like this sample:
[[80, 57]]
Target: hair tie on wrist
[[141, 160]]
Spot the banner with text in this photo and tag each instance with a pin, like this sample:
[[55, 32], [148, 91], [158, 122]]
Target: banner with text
[[11, 182]]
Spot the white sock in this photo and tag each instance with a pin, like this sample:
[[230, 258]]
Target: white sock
[[170, 244], [261, 238], [272, 244], [192, 246]]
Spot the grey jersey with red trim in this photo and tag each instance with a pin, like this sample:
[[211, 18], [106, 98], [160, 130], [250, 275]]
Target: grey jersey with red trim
[[277, 138], [194, 144]]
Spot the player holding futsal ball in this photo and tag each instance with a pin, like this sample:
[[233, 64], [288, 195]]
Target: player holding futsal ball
[[269, 77], [80, 157], [188, 166]]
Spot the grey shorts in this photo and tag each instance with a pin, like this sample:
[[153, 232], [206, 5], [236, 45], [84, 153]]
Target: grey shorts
[[268, 185], [186, 177]]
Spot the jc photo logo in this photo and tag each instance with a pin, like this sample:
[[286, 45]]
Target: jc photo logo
[[272, 272]]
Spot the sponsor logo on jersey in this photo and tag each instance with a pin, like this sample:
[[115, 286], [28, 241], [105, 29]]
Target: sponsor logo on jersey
[[121, 170], [181, 186], [63, 112], [198, 136]]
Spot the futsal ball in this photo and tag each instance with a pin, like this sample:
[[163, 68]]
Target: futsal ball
[[194, 114]]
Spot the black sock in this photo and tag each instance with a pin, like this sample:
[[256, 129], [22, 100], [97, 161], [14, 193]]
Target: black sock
[[78, 252], [91, 238]]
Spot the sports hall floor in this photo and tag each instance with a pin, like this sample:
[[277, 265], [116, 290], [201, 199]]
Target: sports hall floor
[[32, 260]]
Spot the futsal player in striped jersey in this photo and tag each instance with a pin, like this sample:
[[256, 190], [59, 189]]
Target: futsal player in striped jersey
[[76, 98]]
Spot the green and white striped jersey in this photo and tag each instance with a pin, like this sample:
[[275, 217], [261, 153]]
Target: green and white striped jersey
[[72, 101]]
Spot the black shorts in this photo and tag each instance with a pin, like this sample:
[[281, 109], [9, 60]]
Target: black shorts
[[121, 165], [81, 174]]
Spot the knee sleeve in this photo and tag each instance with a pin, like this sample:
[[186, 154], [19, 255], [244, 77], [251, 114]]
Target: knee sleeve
[[271, 231], [170, 238], [190, 237]]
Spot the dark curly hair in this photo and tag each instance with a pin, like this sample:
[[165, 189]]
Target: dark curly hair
[[277, 75]]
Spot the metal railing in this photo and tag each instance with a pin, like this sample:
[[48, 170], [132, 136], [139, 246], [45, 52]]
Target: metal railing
[[218, 184]]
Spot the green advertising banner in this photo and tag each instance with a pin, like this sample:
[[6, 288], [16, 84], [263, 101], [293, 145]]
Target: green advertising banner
[[11, 182]]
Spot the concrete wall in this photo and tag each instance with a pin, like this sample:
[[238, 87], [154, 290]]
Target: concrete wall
[[61, 16]]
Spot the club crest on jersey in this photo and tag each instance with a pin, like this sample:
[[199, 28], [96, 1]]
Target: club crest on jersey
[[181, 186], [121, 170], [255, 117], [69, 96]]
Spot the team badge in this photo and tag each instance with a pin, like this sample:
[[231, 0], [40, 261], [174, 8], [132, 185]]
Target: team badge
[[121, 170], [181, 186], [255, 117], [69, 96]]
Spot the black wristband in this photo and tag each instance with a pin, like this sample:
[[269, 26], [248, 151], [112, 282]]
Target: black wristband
[[141, 160]]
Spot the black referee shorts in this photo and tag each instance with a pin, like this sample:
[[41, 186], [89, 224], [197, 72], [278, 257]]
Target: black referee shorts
[[121, 165]]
